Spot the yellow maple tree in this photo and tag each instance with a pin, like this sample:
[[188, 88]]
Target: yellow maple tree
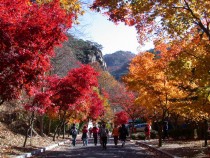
[[156, 91], [71, 6], [191, 68]]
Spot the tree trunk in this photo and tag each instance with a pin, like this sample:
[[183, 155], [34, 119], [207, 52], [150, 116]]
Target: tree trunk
[[56, 130], [160, 133], [49, 127], [30, 128], [59, 131], [1, 102], [205, 133], [26, 137], [132, 126], [41, 120], [68, 128], [31, 134], [64, 129]]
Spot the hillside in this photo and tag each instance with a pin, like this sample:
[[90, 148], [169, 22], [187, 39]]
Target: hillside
[[75, 51], [14, 120], [118, 62]]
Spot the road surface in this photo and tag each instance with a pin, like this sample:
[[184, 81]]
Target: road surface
[[130, 150]]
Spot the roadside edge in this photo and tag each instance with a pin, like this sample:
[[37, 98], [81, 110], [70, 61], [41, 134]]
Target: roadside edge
[[41, 150]]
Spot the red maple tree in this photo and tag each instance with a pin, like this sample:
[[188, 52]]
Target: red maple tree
[[28, 34], [67, 90], [70, 91], [40, 102], [96, 106], [121, 118]]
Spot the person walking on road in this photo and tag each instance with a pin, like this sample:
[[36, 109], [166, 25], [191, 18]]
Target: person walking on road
[[95, 131], [147, 132], [90, 132], [85, 136], [70, 129], [115, 134], [103, 135], [123, 134], [73, 133], [165, 129]]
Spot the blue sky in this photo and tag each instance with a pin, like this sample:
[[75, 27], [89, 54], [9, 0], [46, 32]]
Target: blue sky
[[95, 27]]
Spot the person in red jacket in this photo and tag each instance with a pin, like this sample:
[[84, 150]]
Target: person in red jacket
[[95, 131], [115, 134], [147, 131], [85, 136]]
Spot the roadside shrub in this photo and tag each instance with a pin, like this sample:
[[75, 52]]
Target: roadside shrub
[[133, 136], [141, 136], [138, 136]]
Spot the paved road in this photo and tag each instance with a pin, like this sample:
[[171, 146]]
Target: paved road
[[130, 150]]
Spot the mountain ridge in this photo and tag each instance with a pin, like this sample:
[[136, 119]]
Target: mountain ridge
[[118, 62]]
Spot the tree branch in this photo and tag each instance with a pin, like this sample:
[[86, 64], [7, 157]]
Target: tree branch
[[199, 23]]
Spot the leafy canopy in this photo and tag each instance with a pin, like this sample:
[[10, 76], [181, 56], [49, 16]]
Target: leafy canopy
[[28, 35], [160, 17], [148, 77], [72, 6]]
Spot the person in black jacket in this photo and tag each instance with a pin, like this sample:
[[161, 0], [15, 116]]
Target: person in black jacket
[[123, 134], [104, 132], [73, 132], [165, 130]]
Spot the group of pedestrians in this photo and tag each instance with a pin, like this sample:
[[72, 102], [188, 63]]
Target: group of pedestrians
[[119, 133]]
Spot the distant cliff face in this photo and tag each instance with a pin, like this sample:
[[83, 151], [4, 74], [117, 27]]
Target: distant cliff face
[[118, 62], [75, 51], [93, 54]]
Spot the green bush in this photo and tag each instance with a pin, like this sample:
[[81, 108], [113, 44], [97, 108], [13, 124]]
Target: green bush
[[133, 136], [138, 136], [141, 136]]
